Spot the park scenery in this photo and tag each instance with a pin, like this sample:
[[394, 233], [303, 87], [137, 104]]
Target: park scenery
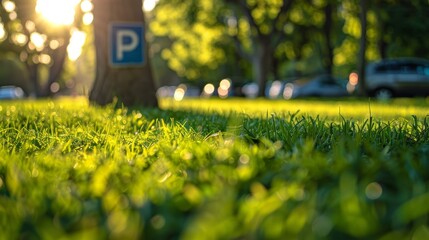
[[203, 119]]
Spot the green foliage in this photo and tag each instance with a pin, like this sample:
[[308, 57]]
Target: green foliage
[[69, 170], [206, 36], [42, 45], [402, 20], [196, 36]]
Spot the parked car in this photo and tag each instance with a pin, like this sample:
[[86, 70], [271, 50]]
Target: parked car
[[321, 86], [11, 92], [401, 77]]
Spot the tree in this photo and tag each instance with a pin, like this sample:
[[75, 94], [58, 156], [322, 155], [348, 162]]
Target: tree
[[402, 27], [29, 37], [203, 32], [278, 39], [266, 21], [312, 36], [196, 31], [13, 72], [363, 43], [328, 61], [38, 42], [130, 85]]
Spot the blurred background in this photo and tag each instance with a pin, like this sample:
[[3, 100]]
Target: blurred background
[[222, 48]]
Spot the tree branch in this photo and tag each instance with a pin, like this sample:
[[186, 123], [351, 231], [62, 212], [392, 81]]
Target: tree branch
[[247, 11], [279, 33]]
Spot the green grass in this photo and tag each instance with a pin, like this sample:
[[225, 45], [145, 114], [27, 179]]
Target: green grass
[[215, 169], [331, 109]]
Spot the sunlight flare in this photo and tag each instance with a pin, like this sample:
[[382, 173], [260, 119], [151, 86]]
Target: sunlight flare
[[38, 40], [77, 40], [86, 6], [61, 12], [9, 6], [88, 18], [149, 5], [19, 39], [2, 32]]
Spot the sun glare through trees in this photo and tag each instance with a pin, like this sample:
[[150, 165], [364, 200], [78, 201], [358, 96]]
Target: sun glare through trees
[[60, 12], [149, 5], [63, 12]]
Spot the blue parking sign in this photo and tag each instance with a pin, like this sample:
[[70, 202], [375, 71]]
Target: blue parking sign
[[126, 44]]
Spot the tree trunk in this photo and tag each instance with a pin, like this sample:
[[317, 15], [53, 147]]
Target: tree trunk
[[382, 46], [33, 74], [327, 28], [381, 43], [59, 56], [130, 85], [362, 49], [261, 63]]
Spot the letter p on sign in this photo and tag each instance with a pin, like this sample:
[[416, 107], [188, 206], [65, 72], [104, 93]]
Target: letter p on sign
[[126, 44]]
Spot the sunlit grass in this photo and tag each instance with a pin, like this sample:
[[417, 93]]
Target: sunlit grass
[[214, 169], [350, 108]]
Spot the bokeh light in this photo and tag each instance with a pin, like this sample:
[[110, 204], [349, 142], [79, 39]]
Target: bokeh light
[[13, 16], [225, 84], [9, 6], [30, 26], [19, 39], [180, 92], [149, 5], [275, 89], [55, 87], [38, 40], [224, 87], [353, 78], [223, 93], [208, 90], [45, 59], [2, 32], [353, 82], [373, 191], [251, 90], [77, 40], [54, 44], [86, 6], [288, 91], [88, 18]]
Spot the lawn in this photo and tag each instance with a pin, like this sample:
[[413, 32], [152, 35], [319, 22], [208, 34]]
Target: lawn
[[331, 109], [215, 169]]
